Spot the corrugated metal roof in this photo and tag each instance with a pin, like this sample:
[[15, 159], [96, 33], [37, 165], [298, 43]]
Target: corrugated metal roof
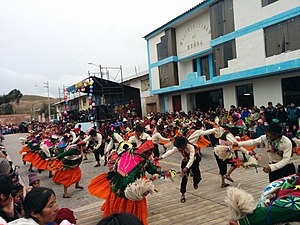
[[200, 5]]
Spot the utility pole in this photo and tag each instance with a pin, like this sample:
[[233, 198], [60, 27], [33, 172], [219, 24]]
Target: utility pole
[[46, 85]]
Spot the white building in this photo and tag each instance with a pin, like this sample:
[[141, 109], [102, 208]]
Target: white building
[[228, 52]]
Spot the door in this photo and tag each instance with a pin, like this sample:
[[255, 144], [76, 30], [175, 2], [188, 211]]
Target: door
[[176, 99]]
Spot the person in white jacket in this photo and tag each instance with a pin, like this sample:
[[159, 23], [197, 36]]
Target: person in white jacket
[[139, 137], [279, 149], [156, 138], [98, 148], [114, 140]]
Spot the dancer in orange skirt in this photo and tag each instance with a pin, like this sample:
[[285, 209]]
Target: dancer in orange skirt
[[125, 188], [32, 154], [70, 173]]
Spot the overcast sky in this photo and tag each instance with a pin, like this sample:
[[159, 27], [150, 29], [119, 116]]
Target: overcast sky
[[43, 40]]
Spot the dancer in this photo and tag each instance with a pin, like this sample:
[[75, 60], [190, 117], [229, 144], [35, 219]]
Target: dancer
[[279, 203], [279, 151], [70, 173], [190, 162], [98, 146], [226, 141], [158, 138], [139, 136], [125, 188], [114, 140]]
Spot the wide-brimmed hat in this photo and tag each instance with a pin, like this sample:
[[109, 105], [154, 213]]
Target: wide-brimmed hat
[[274, 128]]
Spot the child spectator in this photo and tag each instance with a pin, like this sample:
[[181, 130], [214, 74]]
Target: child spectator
[[34, 181]]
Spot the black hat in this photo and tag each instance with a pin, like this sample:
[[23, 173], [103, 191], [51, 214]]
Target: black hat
[[274, 128], [180, 142], [92, 132], [160, 127]]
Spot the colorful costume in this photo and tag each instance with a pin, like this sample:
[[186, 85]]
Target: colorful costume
[[123, 189], [70, 173], [279, 203]]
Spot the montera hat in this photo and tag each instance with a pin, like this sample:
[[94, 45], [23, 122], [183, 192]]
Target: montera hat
[[180, 142], [275, 129]]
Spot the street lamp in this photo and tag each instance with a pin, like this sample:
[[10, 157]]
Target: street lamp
[[101, 75], [46, 85]]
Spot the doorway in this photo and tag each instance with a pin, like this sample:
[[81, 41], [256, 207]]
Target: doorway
[[176, 100], [209, 99]]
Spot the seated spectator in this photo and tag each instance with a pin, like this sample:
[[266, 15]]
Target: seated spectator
[[7, 211], [120, 219], [34, 181], [40, 207], [17, 194], [5, 168]]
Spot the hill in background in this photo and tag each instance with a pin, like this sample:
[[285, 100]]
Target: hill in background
[[30, 103]]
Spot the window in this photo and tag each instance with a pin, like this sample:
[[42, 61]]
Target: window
[[167, 45], [205, 67], [168, 75], [244, 94], [222, 54], [291, 90], [282, 37], [267, 2], [221, 18]]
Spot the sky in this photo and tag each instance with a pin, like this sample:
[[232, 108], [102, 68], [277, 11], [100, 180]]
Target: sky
[[54, 40]]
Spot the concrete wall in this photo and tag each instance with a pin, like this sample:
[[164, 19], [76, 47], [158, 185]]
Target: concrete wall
[[193, 36], [250, 48], [267, 89]]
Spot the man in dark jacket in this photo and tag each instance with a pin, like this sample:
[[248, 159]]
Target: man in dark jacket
[[293, 116], [270, 113]]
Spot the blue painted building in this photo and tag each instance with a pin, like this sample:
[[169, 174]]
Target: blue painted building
[[227, 52]]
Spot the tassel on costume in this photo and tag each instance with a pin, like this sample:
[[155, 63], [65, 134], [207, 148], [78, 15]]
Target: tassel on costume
[[137, 190], [240, 203]]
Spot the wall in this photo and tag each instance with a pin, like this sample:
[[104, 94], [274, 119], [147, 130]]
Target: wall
[[267, 89], [193, 36]]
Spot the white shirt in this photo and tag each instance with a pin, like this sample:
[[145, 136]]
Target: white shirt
[[97, 138], [110, 145], [276, 161], [138, 140], [188, 149], [157, 137], [195, 136]]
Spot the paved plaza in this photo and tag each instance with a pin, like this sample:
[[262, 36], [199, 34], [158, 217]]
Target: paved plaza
[[203, 206]]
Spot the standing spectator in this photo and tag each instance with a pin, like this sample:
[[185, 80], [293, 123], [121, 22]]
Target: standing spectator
[[270, 113], [282, 115], [293, 116]]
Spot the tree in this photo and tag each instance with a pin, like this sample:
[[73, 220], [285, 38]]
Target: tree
[[7, 100]]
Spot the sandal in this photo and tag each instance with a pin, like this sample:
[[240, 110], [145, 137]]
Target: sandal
[[229, 178], [224, 185], [183, 200], [66, 196], [79, 187]]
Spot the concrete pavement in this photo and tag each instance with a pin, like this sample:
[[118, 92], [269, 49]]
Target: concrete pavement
[[203, 206]]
